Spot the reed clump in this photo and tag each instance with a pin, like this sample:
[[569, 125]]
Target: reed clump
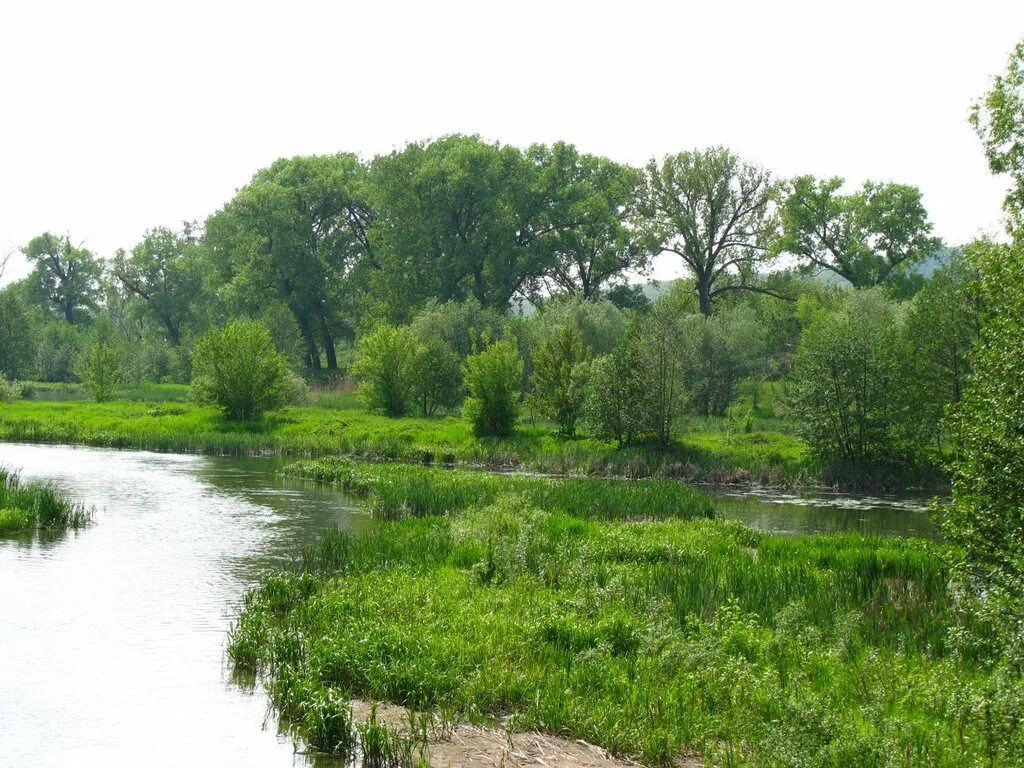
[[26, 506]]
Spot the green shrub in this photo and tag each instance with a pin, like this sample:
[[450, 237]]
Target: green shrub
[[238, 369], [101, 371], [436, 377], [559, 378], [617, 394], [385, 365], [493, 379], [9, 390]]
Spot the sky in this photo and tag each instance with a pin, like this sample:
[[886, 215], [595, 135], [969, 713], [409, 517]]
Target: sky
[[119, 117]]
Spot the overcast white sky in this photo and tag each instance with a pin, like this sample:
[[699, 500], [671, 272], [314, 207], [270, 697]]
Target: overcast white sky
[[117, 117]]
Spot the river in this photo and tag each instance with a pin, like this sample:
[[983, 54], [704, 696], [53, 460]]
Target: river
[[112, 638]]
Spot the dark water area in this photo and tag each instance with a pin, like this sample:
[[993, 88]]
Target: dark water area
[[112, 638]]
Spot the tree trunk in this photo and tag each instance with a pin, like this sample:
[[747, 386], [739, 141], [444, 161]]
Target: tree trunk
[[328, 341], [313, 355], [704, 294]]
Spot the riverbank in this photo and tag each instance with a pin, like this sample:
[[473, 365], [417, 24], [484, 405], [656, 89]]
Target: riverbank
[[652, 639], [712, 453]]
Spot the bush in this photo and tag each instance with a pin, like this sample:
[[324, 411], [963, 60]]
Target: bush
[[559, 378], [60, 346], [987, 514], [616, 406], [436, 377], [237, 368], [493, 379], [384, 363], [850, 382], [101, 371], [9, 390]]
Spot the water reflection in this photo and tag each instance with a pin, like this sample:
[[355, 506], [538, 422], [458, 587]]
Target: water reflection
[[111, 639]]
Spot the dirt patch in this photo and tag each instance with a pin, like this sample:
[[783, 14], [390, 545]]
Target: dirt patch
[[468, 746]]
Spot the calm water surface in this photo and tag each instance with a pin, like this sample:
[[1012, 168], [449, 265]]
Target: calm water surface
[[112, 638]]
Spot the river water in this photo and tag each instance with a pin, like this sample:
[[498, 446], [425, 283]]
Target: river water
[[112, 638]]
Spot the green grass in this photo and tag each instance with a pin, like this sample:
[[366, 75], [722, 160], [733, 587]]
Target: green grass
[[342, 429], [145, 392], [397, 490], [26, 506], [652, 639]]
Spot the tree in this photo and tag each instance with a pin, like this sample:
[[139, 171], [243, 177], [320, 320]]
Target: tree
[[63, 277], [617, 397], [385, 364], [717, 213], [458, 217], [589, 203], [850, 383], [559, 378], [18, 333], [299, 233], [238, 369], [163, 271], [999, 120], [436, 377], [986, 518], [871, 237], [719, 352], [942, 326], [493, 378], [663, 371], [101, 371]]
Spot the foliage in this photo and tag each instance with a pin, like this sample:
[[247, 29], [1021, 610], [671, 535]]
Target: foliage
[[616, 406], [164, 273], [386, 365], [719, 352], [9, 390], [238, 369], [986, 518], [60, 347], [64, 278], [560, 368], [757, 649], [714, 211], [100, 369], [25, 506], [871, 237], [999, 120], [493, 378], [663, 368], [299, 233], [593, 203], [850, 381], [941, 328], [18, 333], [600, 323], [436, 377], [462, 325]]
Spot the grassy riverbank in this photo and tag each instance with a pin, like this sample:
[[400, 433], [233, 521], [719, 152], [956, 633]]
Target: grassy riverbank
[[338, 427], [653, 639], [26, 506]]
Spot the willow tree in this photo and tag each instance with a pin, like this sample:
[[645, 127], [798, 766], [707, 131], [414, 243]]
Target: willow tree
[[298, 233], [715, 212]]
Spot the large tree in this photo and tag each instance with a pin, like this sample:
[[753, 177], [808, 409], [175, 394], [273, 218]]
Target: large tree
[[999, 121], [299, 232], [589, 202], [458, 217], [164, 273], [64, 277], [871, 237], [717, 213]]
